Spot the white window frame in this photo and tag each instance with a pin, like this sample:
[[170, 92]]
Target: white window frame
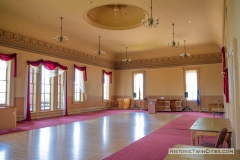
[[137, 86], [54, 92], [9, 92], [78, 94], [192, 88]]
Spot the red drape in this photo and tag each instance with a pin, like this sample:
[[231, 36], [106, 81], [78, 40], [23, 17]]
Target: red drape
[[8, 57], [84, 69], [109, 74], [225, 76], [47, 65]]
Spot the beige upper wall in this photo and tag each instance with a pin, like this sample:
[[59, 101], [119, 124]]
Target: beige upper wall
[[164, 82], [170, 81], [211, 79]]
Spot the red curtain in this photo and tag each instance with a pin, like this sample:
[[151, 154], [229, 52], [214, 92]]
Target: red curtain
[[84, 69], [8, 57], [109, 74], [47, 65], [225, 76]]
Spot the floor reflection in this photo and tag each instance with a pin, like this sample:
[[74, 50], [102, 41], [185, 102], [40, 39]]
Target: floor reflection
[[44, 142], [90, 139], [139, 127]]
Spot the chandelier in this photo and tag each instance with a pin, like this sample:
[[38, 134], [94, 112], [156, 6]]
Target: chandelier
[[126, 60], [61, 39], [99, 52], [185, 54], [173, 43], [150, 21]]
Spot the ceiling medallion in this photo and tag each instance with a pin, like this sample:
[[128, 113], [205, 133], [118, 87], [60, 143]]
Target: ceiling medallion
[[115, 16]]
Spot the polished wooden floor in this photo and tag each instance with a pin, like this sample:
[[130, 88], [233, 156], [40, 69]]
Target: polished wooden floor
[[92, 139]]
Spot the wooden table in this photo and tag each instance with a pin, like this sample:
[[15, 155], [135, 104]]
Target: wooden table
[[234, 156], [210, 127], [218, 110]]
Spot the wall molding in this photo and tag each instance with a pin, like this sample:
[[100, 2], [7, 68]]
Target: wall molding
[[196, 59], [12, 39], [31, 44]]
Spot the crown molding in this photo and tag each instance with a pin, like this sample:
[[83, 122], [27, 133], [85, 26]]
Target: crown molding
[[20, 41], [32, 44], [207, 58]]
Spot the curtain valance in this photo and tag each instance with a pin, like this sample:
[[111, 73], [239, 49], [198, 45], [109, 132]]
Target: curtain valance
[[8, 57]]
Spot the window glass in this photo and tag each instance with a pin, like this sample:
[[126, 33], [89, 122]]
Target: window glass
[[3, 82], [106, 87], [138, 86], [78, 84], [191, 84], [45, 89]]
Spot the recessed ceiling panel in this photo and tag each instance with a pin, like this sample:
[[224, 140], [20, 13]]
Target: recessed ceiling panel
[[115, 16]]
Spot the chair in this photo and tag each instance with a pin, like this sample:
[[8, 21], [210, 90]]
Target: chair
[[219, 142]]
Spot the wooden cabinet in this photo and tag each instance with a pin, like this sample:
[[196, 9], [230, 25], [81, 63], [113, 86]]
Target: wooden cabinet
[[176, 104], [163, 105], [120, 103], [8, 117], [214, 105]]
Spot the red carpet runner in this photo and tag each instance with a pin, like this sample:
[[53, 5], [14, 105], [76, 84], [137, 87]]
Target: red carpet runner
[[155, 145]]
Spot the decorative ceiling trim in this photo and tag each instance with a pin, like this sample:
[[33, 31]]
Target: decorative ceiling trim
[[208, 58], [18, 41], [30, 44]]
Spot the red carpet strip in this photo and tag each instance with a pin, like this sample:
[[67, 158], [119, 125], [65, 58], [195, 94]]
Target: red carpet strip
[[155, 145]]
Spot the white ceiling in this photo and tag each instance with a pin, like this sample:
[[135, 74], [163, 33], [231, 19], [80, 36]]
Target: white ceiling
[[41, 19]]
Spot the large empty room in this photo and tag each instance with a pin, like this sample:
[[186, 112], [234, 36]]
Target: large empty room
[[119, 79]]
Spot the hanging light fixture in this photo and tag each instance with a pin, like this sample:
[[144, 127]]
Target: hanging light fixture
[[173, 43], [61, 39], [99, 52], [126, 60], [185, 54], [150, 21]]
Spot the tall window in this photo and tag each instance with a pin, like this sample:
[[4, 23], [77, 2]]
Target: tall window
[[3, 82], [106, 87], [138, 85], [78, 94], [46, 85], [60, 91], [32, 90], [191, 80]]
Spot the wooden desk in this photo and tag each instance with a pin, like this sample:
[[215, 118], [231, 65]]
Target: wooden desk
[[218, 110], [234, 156], [210, 127]]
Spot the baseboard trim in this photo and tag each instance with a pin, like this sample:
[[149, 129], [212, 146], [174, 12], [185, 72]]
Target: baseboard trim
[[40, 115], [77, 111]]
